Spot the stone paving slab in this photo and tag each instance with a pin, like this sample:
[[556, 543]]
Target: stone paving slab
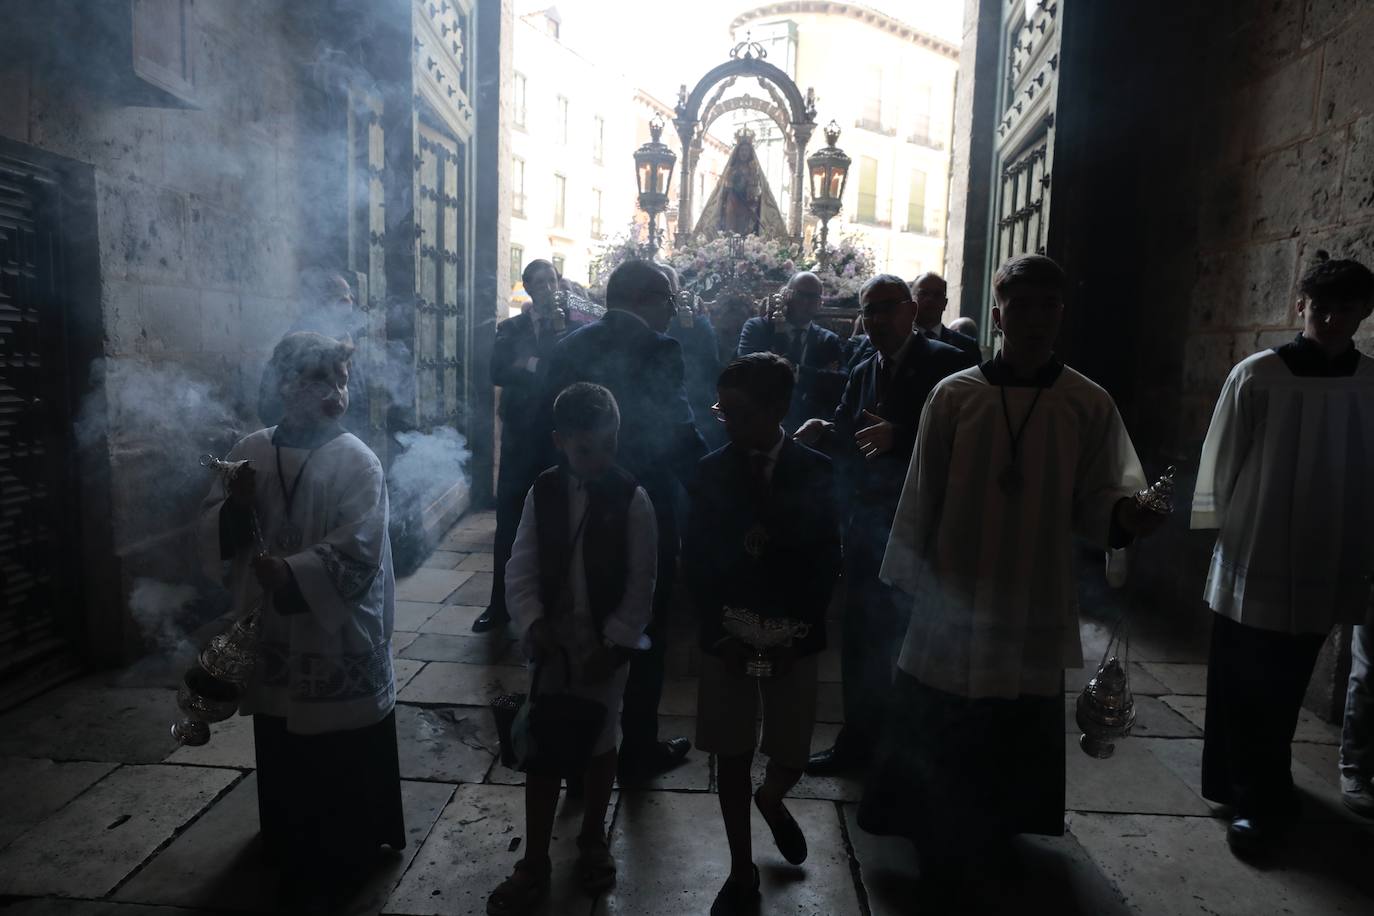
[[475, 592], [89, 846], [31, 790], [467, 540], [444, 559], [217, 861], [411, 616], [478, 562], [400, 639], [453, 620], [1131, 780], [1186, 680], [828, 788], [471, 649], [679, 697], [453, 684], [672, 855], [121, 724], [1180, 865], [405, 670], [474, 845], [231, 745], [445, 744], [433, 585]]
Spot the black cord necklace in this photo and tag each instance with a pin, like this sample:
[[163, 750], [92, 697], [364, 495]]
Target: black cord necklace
[[289, 536], [1012, 479]]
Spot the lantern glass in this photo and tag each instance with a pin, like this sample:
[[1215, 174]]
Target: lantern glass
[[819, 182], [645, 177], [837, 177], [665, 177]]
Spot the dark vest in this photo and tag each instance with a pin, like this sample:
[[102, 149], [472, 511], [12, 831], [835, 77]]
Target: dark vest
[[604, 547]]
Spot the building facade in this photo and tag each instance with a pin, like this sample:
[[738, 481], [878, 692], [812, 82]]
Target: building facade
[[890, 87]]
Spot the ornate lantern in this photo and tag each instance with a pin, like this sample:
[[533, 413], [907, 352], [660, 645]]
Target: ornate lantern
[[654, 163], [829, 167]]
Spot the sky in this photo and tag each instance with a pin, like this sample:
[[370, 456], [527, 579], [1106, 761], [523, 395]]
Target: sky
[[661, 45]]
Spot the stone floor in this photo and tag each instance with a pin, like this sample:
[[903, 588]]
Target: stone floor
[[100, 812]]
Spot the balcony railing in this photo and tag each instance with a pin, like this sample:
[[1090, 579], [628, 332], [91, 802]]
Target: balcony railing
[[875, 126], [923, 139]]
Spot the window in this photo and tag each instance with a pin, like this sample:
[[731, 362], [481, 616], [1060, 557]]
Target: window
[[598, 138], [517, 264], [560, 201], [916, 203], [868, 190], [558, 262], [596, 213], [920, 116], [779, 39], [871, 115], [517, 187], [561, 113], [518, 101]]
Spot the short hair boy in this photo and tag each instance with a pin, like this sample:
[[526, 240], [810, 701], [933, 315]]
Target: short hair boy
[[579, 586], [762, 549], [1284, 477]]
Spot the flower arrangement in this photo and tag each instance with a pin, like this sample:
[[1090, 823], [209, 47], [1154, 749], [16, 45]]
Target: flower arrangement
[[748, 262]]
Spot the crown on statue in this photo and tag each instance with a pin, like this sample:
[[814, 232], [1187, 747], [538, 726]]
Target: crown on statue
[[744, 135]]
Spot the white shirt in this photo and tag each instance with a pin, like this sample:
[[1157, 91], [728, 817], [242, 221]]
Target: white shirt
[[1285, 476], [996, 603], [625, 625]]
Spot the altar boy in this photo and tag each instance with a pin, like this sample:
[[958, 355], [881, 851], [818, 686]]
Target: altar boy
[[322, 696], [1013, 459], [1284, 476]]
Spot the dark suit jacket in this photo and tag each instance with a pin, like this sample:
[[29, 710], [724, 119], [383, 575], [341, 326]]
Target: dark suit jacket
[[800, 562], [821, 374], [520, 388], [644, 370], [877, 484], [701, 362], [961, 342]]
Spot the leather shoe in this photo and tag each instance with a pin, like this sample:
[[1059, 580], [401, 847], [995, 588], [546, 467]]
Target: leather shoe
[[659, 757], [834, 761], [489, 619], [787, 833], [737, 898], [1250, 838]]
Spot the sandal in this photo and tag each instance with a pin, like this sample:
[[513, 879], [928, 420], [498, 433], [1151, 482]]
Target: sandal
[[519, 894], [595, 865]]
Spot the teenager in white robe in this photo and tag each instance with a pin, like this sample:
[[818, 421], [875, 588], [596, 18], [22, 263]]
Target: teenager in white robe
[[1285, 478], [1013, 459], [323, 692]]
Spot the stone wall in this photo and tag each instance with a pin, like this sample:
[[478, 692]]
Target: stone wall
[[202, 232]]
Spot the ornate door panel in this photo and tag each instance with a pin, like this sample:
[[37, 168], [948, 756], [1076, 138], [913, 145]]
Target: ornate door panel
[[32, 423], [1024, 143], [441, 283], [367, 251]]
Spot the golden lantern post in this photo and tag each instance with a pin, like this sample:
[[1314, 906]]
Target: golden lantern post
[[829, 169], [654, 163]]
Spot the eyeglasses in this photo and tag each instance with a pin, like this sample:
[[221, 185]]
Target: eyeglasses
[[870, 309], [718, 412]]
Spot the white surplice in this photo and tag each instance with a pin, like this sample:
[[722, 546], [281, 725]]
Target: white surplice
[[328, 669], [996, 606], [1285, 476]]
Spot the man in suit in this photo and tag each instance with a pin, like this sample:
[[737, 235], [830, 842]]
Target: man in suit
[[518, 359], [932, 296], [871, 438], [816, 352], [627, 352]]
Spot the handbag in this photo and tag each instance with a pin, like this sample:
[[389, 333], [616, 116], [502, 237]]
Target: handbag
[[554, 732]]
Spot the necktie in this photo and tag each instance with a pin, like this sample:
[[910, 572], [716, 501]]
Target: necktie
[[884, 379], [795, 348]]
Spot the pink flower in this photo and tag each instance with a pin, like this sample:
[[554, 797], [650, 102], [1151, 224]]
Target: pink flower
[[789, 265]]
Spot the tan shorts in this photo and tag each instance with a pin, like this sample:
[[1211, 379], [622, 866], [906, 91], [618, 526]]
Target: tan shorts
[[728, 711]]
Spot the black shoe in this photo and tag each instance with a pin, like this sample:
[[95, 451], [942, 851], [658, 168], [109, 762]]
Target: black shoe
[[787, 833], [1251, 838], [489, 619], [659, 757], [835, 761], [737, 898]]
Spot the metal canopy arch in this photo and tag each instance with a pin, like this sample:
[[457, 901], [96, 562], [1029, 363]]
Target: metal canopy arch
[[747, 59], [750, 103]]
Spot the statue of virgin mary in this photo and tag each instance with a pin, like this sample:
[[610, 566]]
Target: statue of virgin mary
[[742, 203]]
